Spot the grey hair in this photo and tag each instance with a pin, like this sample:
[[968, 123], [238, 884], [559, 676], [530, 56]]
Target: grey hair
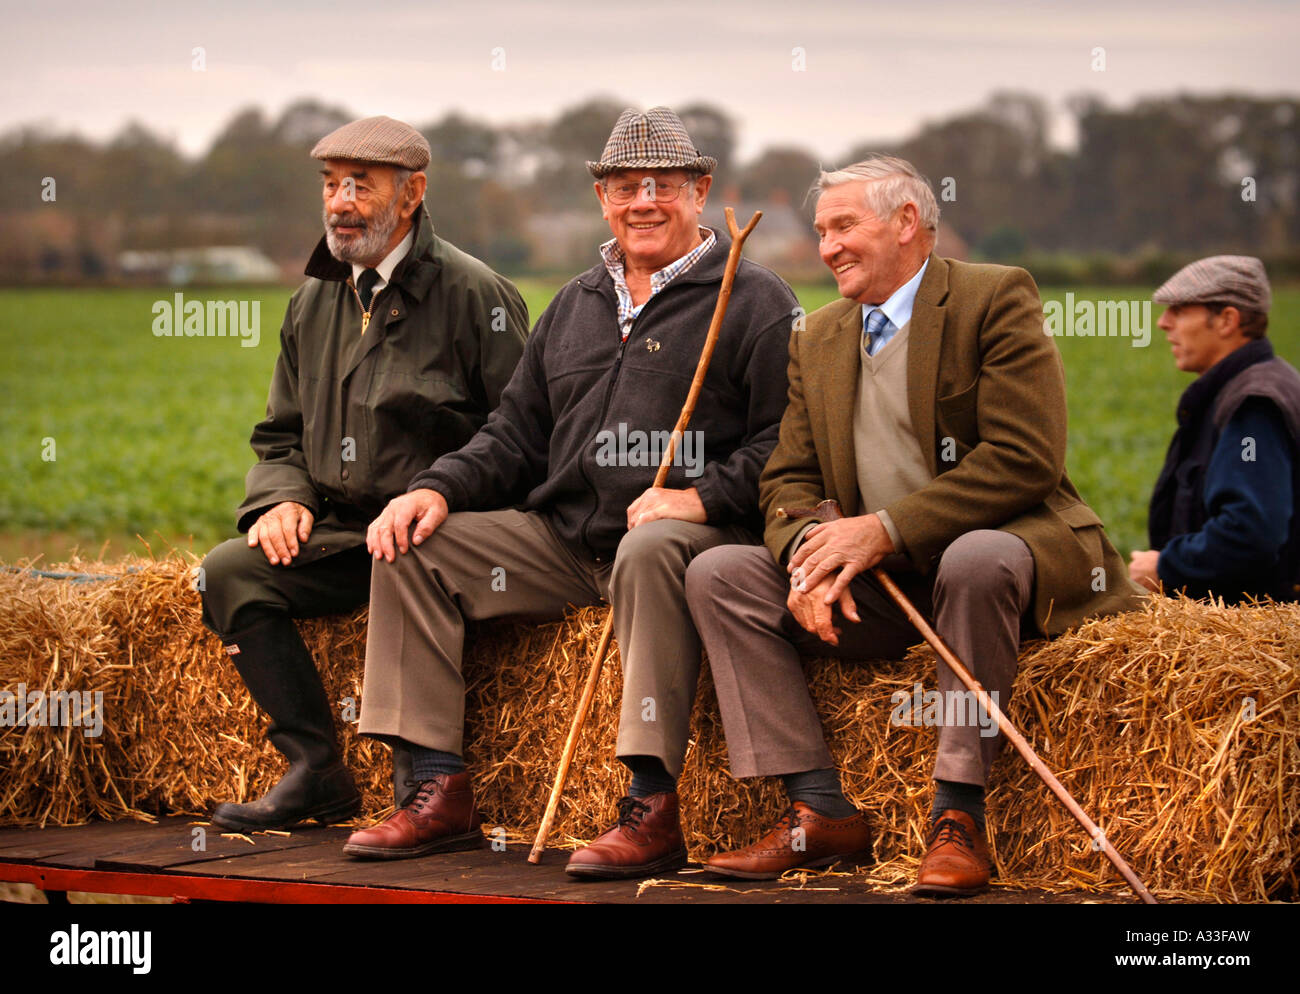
[[401, 177], [891, 182]]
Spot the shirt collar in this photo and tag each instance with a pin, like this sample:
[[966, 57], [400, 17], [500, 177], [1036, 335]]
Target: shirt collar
[[390, 261], [612, 254], [898, 308], [616, 260]]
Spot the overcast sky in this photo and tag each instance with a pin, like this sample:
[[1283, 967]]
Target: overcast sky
[[869, 70]]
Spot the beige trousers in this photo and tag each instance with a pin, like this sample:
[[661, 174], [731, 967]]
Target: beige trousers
[[490, 564]]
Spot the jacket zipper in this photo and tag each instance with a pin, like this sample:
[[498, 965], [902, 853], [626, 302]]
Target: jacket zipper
[[604, 407], [600, 420], [365, 314]]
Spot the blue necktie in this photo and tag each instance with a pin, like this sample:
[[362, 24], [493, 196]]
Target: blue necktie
[[877, 331]]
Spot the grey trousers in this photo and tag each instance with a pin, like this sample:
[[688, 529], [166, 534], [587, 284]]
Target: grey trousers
[[493, 564], [737, 596]]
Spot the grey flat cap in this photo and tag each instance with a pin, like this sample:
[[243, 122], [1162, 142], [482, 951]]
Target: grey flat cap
[[1238, 280], [376, 139], [656, 139]]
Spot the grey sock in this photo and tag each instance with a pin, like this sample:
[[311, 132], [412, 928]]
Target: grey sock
[[649, 776], [968, 797], [821, 791], [429, 763]]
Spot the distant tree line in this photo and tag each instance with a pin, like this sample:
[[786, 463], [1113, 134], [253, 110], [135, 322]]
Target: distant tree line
[[1171, 176]]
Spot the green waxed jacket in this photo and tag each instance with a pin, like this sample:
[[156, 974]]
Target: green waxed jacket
[[352, 417]]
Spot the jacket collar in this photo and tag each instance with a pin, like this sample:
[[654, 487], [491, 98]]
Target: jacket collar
[[1201, 392], [414, 274], [924, 346], [844, 366]]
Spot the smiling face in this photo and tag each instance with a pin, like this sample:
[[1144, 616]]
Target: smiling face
[[653, 234], [870, 257], [365, 215], [1198, 338]]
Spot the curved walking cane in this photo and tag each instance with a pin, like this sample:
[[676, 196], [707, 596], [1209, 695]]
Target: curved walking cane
[[738, 236], [829, 510]]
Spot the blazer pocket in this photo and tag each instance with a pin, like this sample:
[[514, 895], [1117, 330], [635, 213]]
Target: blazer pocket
[[962, 400], [957, 415]]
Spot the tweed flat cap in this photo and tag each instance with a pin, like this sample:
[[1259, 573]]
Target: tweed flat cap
[[656, 139], [375, 139], [1238, 280]]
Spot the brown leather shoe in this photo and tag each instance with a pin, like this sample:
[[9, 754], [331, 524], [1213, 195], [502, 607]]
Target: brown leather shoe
[[802, 839], [956, 861], [646, 839], [441, 817]]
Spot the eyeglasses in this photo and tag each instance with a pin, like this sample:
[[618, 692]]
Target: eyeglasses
[[659, 193]]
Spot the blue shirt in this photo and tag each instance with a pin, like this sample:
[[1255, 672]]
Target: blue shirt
[[898, 308]]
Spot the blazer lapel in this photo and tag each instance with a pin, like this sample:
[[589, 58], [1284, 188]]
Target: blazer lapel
[[840, 404], [924, 346]]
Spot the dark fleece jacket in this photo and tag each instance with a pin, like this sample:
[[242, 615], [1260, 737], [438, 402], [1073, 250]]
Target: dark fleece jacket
[[579, 391]]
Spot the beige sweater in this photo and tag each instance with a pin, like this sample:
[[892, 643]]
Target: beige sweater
[[890, 462]]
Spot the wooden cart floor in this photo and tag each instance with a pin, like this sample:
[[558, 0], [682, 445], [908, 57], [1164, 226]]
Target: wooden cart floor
[[308, 866]]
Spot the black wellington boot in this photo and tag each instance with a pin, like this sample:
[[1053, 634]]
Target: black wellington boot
[[282, 679]]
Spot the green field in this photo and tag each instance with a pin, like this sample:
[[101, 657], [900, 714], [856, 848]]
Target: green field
[[150, 435]]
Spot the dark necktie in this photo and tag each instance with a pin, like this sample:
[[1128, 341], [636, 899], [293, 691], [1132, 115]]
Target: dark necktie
[[366, 287]]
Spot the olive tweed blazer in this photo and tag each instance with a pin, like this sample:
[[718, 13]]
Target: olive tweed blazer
[[986, 394]]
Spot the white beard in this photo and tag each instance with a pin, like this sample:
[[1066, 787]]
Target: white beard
[[372, 240]]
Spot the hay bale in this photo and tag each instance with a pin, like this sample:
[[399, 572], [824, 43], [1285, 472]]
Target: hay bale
[[1174, 727]]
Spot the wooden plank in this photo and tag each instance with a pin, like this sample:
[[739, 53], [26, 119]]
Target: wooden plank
[[172, 846], [311, 861], [71, 846]]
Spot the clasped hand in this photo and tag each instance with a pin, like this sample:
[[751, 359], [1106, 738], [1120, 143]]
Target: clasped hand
[[829, 557]]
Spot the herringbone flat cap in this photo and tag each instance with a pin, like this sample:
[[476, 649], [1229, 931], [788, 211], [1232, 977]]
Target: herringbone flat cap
[[1238, 280], [375, 139], [656, 139]]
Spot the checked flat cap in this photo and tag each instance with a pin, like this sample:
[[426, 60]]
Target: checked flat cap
[[375, 139], [1238, 280], [656, 139]]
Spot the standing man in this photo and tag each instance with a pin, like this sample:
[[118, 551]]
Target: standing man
[[575, 446], [1223, 516], [391, 353], [931, 405]]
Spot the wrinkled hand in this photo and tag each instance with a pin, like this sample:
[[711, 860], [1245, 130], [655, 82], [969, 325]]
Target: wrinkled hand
[[849, 546], [387, 534], [813, 610], [279, 531], [1142, 568], [660, 502]]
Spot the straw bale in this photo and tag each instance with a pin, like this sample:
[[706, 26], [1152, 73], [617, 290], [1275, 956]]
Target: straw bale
[[1173, 726]]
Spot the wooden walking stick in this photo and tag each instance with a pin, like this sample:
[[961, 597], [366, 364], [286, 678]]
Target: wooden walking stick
[[738, 236], [829, 510]]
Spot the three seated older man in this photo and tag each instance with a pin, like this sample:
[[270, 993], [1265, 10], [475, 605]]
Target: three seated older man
[[947, 450], [541, 509]]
